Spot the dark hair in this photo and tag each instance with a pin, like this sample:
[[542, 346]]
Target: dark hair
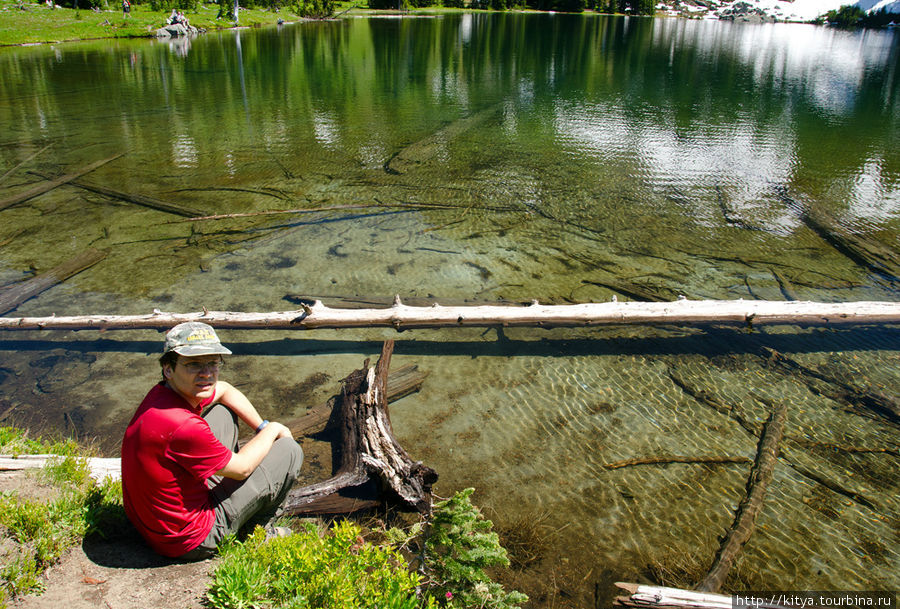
[[168, 359]]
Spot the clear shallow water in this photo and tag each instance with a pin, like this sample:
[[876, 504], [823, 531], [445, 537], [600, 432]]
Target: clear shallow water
[[498, 156]]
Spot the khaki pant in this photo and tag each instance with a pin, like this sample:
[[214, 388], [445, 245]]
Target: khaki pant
[[251, 501]]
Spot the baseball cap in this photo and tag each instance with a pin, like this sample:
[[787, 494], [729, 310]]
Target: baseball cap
[[194, 338]]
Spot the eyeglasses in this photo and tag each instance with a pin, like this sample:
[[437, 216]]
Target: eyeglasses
[[198, 367]]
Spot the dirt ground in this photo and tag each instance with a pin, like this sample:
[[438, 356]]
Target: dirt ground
[[121, 573]]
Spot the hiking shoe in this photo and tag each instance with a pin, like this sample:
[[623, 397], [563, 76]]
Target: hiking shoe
[[278, 532]]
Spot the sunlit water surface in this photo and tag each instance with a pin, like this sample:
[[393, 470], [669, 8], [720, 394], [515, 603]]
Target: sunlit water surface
[[487, 157]]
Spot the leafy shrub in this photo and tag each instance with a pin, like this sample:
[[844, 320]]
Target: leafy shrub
[[42, 531], [306, 570], [458, 548]]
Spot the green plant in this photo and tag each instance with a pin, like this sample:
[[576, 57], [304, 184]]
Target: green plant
[[19, 576], [67, 471], [16, 442], [104, 514], [458, 548], [43, 530], [306, 570]]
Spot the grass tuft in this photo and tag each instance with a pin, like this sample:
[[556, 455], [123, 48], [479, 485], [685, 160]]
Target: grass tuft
[[37, 533]]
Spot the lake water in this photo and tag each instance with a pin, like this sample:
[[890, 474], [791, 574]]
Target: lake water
[[484, 157]]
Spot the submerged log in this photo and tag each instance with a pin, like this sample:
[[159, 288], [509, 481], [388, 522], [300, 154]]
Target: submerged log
[[426, 148], [750, 507], [402, 317], [142, 200], [13, 170], [674, 459], [867, 253], [884, 405], [370, 455], [14, 295], [51, 184]]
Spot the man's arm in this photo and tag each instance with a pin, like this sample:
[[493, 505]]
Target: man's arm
[[250, 455], [243, 462], [238, 403]]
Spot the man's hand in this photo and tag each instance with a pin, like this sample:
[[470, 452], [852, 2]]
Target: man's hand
[[248, 458], [283, 431]]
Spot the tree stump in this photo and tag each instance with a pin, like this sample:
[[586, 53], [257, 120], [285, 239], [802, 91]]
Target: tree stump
[[374, 468]]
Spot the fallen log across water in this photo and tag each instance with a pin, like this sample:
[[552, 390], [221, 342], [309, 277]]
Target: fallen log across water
[[750, 507], [371, 458], [13, 295], [402, 317]]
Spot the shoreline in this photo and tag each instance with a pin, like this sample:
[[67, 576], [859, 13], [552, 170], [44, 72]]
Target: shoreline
[[19, 21], [27, 25]]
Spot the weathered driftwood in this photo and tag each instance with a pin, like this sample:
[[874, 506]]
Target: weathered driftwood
[[657, 596], [750, 507], [13, 295], [99, 467], [51, 184], [674, 459], [402, 317], [401, 382], [142, 200], [426, 148], [370, 455]]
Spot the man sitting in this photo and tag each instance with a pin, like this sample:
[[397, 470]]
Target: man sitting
[[185, 483]]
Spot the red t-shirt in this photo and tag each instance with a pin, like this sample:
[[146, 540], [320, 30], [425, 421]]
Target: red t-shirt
[[168, 453]]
